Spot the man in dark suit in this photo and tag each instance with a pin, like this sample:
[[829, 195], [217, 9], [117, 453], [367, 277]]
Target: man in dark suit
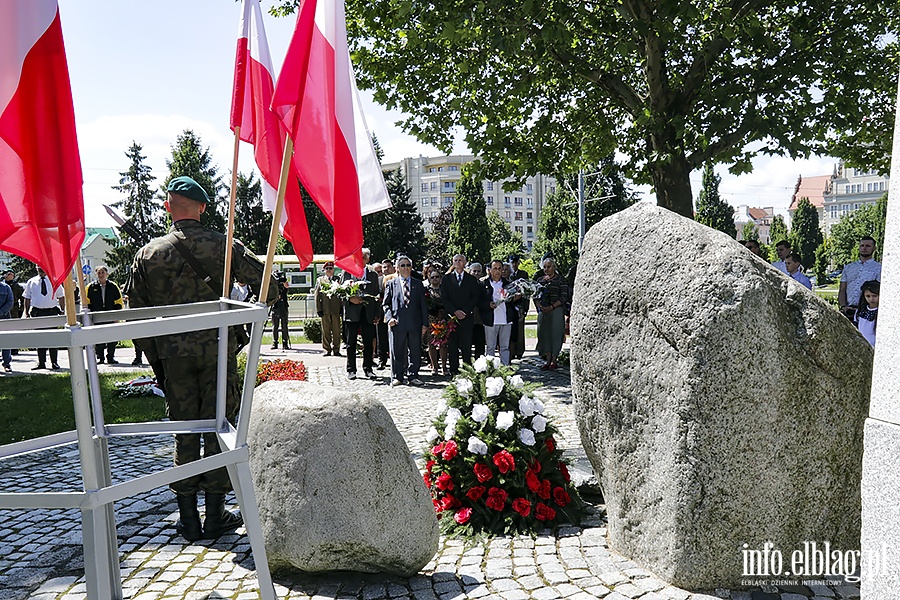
[[461, 293], [406, 315], [361, 313]]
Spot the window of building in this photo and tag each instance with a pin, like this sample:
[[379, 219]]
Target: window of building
[[448, 200], [846, 189], [506, 215], [834, 211], [489, 200], [529, 188], [869, 187], [434, 200], [519, 201], [518, 215], [431, 170], [449, 185], [507, 200], [453, 168], [434, 185], [529, 215], [424, 201], [440, 169], [529, 230], [856, 206], [489, 186], [518, 229], [880, 186], [424, 187], [530, 202], [552, 189]]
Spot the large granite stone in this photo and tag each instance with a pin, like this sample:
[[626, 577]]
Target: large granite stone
[[336, 486], [720, 402]]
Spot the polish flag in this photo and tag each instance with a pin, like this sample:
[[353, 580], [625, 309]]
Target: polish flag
[[318, 103], [41, 200], [251, 111]]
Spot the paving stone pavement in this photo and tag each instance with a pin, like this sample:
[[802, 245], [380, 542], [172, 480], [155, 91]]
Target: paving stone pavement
[[41, 553]]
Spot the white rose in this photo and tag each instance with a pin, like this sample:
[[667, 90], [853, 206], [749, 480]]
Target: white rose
[[476, 446], [432, 435], [505, 419], [464, 387], [527, 437], [480, 413], [493, 386], [539, 423], [450, 430], [480, 365], [494, 360], [441, 407], [453, 415], [526, 406], [538, 406], [517, 382]]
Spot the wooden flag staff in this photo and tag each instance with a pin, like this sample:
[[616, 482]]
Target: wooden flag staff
[[226, 276], [276, 217]]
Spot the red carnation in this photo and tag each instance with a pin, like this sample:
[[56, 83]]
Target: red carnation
[[565, 472], [504, 461], [521, 506], [450, 450], [429, 465], [438, 449], [449, 502], [427, 478], [444, 481], [543, 492], [542, 512], [535, 466], [551, 445], [437, 505], [475, 493], [561, 496], [483, 472], [496, 498], [463, 515], [532, 481]]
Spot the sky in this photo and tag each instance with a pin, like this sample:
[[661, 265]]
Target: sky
[[146, 71]]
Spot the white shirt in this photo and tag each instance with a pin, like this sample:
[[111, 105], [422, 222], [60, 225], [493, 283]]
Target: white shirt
[[500, 311], [857, 273], [33, 293], [240, 292], [866, 325]]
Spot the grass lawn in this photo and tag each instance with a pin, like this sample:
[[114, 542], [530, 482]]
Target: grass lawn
[[38, 405]]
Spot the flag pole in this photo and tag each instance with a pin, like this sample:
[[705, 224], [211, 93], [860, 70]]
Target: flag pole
[[80, 274], [69, 286], [226, 276], [276, 217]]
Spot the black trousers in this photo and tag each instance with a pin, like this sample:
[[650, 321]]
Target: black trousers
[[352, 329], [42, 352], [460, 344]]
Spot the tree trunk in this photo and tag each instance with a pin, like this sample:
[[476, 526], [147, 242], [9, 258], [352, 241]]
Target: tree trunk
[[672, 183]]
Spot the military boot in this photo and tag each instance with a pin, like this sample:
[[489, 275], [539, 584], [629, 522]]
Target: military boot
[[218, 520], [188, 525]]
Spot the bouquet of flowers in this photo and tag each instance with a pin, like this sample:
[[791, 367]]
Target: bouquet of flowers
[[144, 385], [281, 370], [525, 287], [441, 330], [345, 290], [494, 466]]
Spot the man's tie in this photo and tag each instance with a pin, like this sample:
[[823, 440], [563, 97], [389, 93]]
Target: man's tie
[[406, 293], [43, 287], [459, 278]]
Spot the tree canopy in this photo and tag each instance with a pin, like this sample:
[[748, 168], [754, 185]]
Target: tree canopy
[[406, 232], [190, 158], [712, 210], [778, 231], [805, 233], [554, 86], [469, 234], [843, 241]]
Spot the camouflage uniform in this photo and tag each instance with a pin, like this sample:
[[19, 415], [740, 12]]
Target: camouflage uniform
[[161, 276]]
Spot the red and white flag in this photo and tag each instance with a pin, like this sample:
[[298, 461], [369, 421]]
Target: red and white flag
[[318, 104], [41, 198], [251, 110]]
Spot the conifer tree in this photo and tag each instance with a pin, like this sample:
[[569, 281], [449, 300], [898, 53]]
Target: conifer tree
[[190, 158], [712, 211], [469, 234], [778, 231], [805, 233], [407, 234]]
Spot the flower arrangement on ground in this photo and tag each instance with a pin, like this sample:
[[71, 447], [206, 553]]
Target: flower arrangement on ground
[[494, 466], [281, 370], [145, 385]]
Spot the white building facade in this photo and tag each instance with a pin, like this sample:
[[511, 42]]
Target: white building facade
[[851, 189], [434, 181]]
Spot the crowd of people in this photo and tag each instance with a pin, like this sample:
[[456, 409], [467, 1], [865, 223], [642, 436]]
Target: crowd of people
[[441, 316]]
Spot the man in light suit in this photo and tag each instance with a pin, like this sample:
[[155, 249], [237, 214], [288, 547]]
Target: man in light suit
[[406, 315], [461, 293]]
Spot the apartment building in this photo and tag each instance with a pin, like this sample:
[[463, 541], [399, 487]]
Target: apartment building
[[851, 189]]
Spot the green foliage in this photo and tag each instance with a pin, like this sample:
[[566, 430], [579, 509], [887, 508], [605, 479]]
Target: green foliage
[[406, 231], [38, 405], [821, 267], [312, 330], [377, 233], [251, 222], [805, 233], [712, 210], [190, 158], [437, 241], [140, 207], [843, 241], [555, 86], [469, 234], [558, 231], [503, 241], [22, 267], [749, 231], [778, 230]]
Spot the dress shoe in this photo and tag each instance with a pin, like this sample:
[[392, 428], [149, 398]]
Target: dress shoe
[[188, 524], [285, 346], [136, 362], [396, 382], [38, 367], [274, 346], [7, 368], [351, 375], [371, 375], [336, 353], [381, 365], [326, 354], [100, 360], [219, 521], [416, 381], [54, 365], [112, 361]]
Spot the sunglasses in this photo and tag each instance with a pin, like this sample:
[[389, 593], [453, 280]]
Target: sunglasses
[[404, 266], [329, 268]]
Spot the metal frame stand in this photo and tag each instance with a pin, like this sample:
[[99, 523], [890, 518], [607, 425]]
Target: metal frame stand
[[95, 500]]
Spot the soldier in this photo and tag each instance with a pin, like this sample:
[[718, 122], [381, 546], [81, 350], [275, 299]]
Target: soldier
[[329, 310], [173, 269]]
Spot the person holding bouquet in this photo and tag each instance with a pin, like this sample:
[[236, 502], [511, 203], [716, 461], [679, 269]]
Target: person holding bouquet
[[435, 339], [551, 308]]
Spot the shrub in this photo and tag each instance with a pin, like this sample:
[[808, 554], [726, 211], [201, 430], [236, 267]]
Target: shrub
[[312, 330]]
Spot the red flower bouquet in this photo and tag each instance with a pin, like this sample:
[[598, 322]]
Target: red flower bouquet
[[494, 465], [281, 370]]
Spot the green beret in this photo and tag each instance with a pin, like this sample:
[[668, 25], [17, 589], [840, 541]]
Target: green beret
[[187, 187]]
